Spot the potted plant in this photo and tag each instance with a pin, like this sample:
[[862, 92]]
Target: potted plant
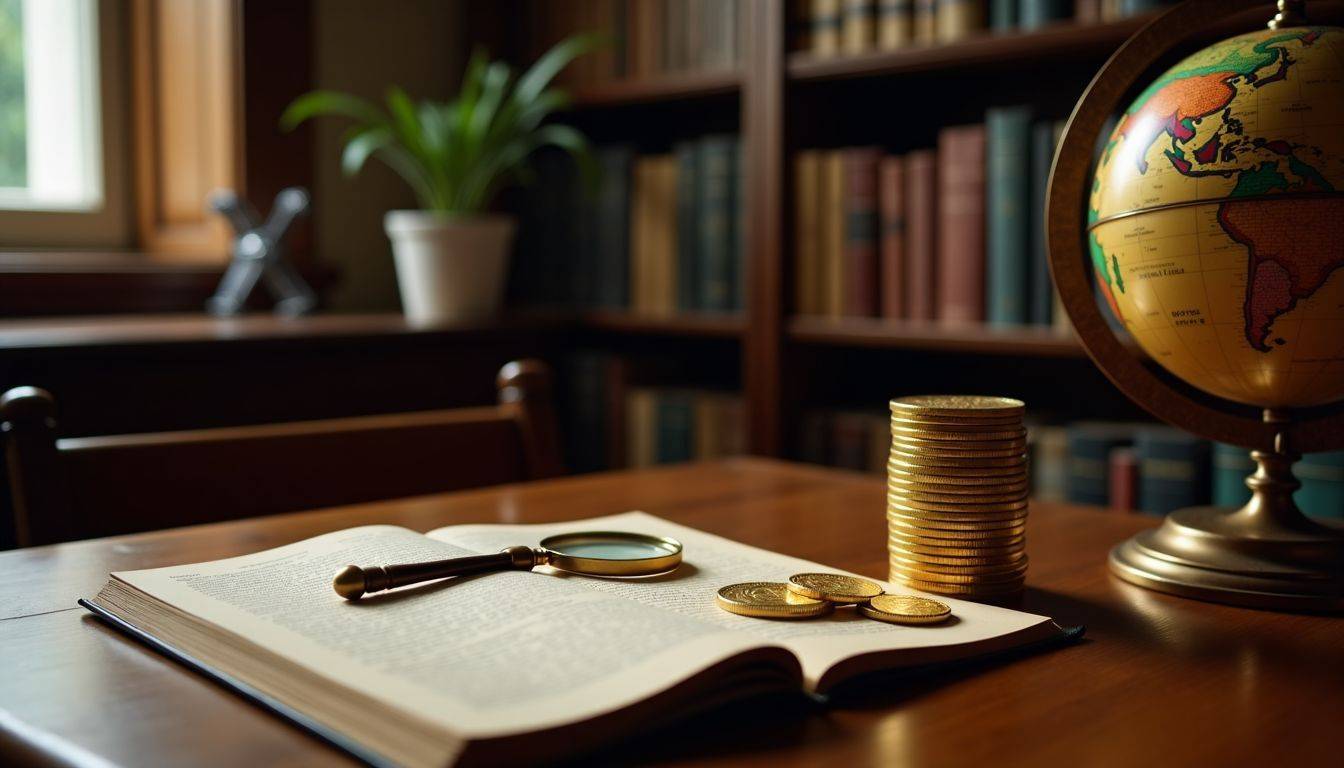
[[452, 255]]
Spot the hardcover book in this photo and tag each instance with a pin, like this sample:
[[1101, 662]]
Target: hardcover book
[[859, 273], [514, 667], [961, 224], [891, 236], [1007, 201], [895, 24], [921, 233]]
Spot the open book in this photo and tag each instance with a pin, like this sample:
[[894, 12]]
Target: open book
[[511, 666]]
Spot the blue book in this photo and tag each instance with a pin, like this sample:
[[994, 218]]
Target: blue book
[[1008, 225], [1034, 14], [1040, 291], [1003, 15], [717, 214], [1173, 469], [1089, 452], [688, 227], [1232, 464], [674, 427], [610, 237], [1322, 491]]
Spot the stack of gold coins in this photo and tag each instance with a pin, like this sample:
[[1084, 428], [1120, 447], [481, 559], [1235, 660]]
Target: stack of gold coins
[[957, 495]]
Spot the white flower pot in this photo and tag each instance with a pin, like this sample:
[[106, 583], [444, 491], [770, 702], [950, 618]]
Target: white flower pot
[[450, 268]]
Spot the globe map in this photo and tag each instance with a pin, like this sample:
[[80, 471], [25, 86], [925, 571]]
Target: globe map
[[1215, 230]]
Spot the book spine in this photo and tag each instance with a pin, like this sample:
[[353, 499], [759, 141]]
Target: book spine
[[1087, 11], [1040, 293], [799, 19], [958, 19], [674, 37], [895, 24], [1232, 464], [1322, 491], [925, 22], [663, 292], [1007, 195], [1034, 14], [613, 233], [585, 422], [891, 226], [806, 251], [833, 235], [641, 235], [640, 413], [739, 235], [1089, 450], [1123, 480], [1049, 464], [1004, 14], [675, 420], [1173, 470], [857, 26], [716, 224], [826, 27], [961, 220], [921, 233], [860, 275], [688, 227]]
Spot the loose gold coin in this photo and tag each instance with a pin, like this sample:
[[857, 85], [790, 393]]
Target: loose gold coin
[[901, 432], [967, 590], [902, 457], [906, 609], [975, 470], [834, 587], [941, 548], [910, 495], [906, 504], [940, 530], [769, 600], [934, 577], [957, 405], [989, 570], [957, 561], [905, 476]]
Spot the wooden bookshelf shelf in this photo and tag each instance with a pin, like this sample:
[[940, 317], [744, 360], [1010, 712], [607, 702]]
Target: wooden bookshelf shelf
[[1023, 341], [703, 325], [678, 86], [1058, 41]]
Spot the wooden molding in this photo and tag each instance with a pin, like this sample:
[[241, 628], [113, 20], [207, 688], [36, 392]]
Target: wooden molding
[[187, 55]]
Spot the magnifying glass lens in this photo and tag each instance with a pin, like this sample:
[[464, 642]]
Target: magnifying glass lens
[[598, 547]]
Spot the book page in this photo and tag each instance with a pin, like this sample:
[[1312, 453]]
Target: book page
[[711, 562], [480, 656]]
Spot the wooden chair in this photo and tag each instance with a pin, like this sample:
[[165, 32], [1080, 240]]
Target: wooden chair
[[74, 488]]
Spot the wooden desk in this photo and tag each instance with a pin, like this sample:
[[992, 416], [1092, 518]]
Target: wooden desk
[[1158, 680]]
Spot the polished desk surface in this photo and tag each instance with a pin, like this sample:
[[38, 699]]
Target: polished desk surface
[[1158, 680]]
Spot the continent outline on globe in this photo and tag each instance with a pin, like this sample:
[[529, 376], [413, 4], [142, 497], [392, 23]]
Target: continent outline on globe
[[1231, 160]]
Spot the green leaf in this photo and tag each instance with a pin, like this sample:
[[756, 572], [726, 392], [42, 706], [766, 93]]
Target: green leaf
[[535, 80], [319, 103], [361, 145]]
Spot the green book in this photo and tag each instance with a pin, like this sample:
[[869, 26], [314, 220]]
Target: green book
[[611, 236], [1034, 14], [1232, 464], [717, 212], [1322, 491], [1041, 291], [1008, 224], [1003, 15], [1173, 469], [674, 427], [688, 227]]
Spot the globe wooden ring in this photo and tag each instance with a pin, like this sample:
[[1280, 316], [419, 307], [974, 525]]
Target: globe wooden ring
[[1312, 430], [1266, 554]]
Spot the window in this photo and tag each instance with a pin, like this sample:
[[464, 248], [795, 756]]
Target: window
[[50, 122]]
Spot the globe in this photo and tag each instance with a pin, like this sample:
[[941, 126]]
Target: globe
[[1214, 225]]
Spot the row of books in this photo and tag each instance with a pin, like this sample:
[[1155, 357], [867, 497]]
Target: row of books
[[1124, 466], [846, 27], [954, 234], [642, 38], [670, 425], [660, 234]]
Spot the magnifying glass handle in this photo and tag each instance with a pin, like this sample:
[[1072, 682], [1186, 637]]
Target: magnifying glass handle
[[353, 581]]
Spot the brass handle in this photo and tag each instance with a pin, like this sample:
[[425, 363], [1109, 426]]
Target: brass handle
[[353, 581]]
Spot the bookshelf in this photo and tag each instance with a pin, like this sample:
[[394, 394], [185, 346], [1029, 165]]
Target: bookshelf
[[784, 363]]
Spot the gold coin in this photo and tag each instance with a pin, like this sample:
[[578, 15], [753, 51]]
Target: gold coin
[[904, 539], [986, 519], [959, 561], [769, 600], [930, 525], [976, 470], [834, 587], [901, 432], [975, 449], [980, 569], [923, 460], [906, 504], [968, 590], [934, 577], [906, 609], [950, 530], [978, 425], [932, 479], [961, 419], [957, 405], [943, 497], [940, 548]]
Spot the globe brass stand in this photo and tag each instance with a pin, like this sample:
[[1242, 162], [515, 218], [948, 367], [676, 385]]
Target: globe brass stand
[[1266, 554]]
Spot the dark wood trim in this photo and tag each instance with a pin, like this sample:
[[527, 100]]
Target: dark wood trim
[[1017, 341], [707, 325], [764, 148], [674, 86]]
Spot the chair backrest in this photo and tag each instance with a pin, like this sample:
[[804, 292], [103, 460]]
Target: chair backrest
[[73, 488]]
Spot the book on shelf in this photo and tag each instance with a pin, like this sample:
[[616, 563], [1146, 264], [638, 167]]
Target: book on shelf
[[832, 244], [1041, 291], [653, 236], [895, 24], [1090, 446], [1123, 479], [960, 282], [717, 223], [858, 26], [958, 19], [921, 233], [687, 226], [859, 269], [807, 286], [925, 22], [666, 425], [1172, 471], [1008, 214], [520, 667], [891, 236], [1322, 478], [826, 27]]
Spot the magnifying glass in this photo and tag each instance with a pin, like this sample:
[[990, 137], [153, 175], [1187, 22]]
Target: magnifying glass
[[592, 553]]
